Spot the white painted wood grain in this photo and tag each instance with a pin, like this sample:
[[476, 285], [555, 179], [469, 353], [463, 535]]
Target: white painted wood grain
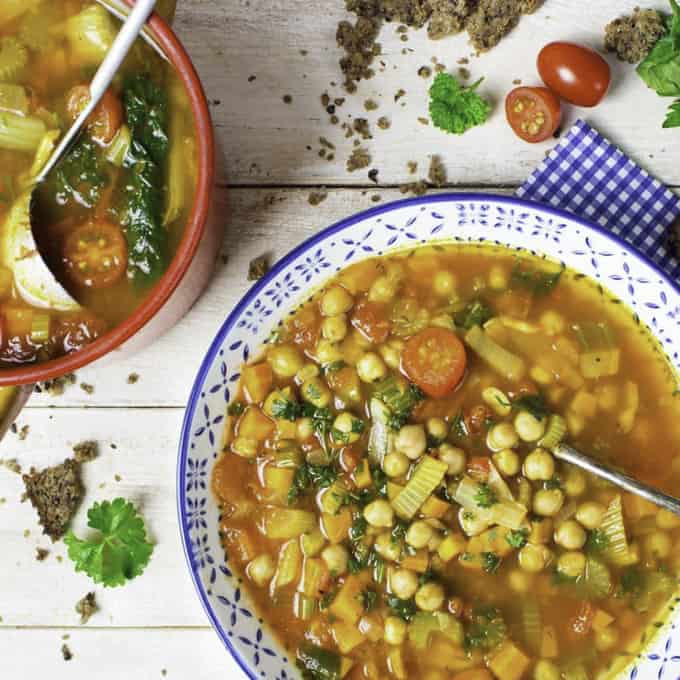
[[185, 654], [264, 140], [257, 221]]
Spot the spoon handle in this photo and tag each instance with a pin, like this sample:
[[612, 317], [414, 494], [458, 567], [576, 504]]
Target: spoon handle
[[102, 79], [571, 455]]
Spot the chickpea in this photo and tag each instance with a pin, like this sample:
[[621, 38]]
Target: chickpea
[[437, 428], [336, 558], [411, 441], [327, 352], [379, 514], [570, 535], [336, 300], [520, 581], [261, 569], [546, 670], [606, 638], [665, 519], [396, 464], [497, 400], [349, 427], [590, 514], [316, 392], [386, 547], [502, 436], [454, 457], [534, 558], [404, 583], [430, 597], [371, 367], [539, 465], [383, 289], [498, 278], [419, 534], [334, 328], [285, 360], [548, 502], [658, 545], [444, 283], [528, 427], [574, 483], [507, 462], [571, 564], [395, 630], [552, 322]]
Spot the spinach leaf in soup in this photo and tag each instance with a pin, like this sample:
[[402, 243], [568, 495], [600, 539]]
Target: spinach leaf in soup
[[146, 112], [81, 176]]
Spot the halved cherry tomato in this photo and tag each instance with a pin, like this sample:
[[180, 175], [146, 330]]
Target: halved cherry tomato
[[371, 319], [576, 74], [105, 120], [476, 418], [479, 468], [534, 113], [435, 360], [95, 254]]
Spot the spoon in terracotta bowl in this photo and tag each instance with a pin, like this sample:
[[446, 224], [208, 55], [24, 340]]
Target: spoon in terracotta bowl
[[33, 279], [570, 455]]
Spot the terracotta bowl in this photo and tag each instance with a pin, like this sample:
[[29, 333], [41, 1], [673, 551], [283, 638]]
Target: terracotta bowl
[[191, 267]]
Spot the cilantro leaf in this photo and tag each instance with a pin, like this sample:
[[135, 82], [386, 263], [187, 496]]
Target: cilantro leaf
[[490, 562], [673, 116], [597, 542], [286, 409], [476, 313], [454, 108], [517, 539], [404, 609], [533, 403], [486, 629], [369, 599], [120, 552], [538, 281], [485, 496]]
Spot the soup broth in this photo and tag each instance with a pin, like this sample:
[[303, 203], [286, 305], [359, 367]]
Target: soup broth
[[387, 486], [111, 215]]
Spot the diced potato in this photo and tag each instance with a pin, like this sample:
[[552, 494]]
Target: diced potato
[[418, 562], [508, 662], [584, 404], [239, 545], [277, 482], [347, 604], [435, 507], [452, 546], [254, 424], [257, 381], [362, 475], [346, 636], [601, 619], [335, 527]]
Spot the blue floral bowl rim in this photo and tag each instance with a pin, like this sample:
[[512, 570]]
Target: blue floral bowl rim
[[252, 293]]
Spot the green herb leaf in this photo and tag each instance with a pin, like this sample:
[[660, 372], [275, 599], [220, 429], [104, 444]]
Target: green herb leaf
[[486, 630], [490, 562], [537, 281], [404, 609], [485, 496], [673, 116], [369, 599], [120, 552], [597, 542], [476, 313], [517, 539], [286, 409], [309, 476], [534, 404], [456, 109]]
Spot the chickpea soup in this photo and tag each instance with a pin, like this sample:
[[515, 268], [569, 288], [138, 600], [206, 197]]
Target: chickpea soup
[[387, 486]]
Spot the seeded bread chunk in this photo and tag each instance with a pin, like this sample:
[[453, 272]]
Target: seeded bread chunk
[[494, 19], [632, 37], [55, 493]]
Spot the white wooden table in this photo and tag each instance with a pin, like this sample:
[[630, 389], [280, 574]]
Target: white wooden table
[[156, 623]]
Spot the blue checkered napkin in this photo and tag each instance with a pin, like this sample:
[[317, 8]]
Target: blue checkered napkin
[[588, 176]]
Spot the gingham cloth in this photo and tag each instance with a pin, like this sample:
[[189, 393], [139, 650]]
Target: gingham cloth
[[588, 176]]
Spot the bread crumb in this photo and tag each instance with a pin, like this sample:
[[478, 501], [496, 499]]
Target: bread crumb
[[66, 653], [86, 607]]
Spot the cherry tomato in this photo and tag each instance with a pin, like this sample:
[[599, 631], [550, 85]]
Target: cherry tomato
[[435, 360], [577, 74], [95, 254], [534, 113], [370, 318], [105, 120]]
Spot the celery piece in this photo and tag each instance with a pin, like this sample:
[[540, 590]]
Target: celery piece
[[425, 480], [287, 523], [654, 583], [617, 551], [380, 439], [13, 59], [118, 149], [13, 98], [500, 359], [597, 580], [20, 133], [498, 484], [601, 356], [555, 432], [424, 624], [304, 607], [509, 514], [531, 624], [40, 328], [288, 567], [90, 34], [42, 155]]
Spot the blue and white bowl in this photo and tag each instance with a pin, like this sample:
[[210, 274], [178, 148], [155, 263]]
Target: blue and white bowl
[[649, 294]]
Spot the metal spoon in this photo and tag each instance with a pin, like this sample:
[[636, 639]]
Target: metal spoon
[[570, 455], [35, 281]]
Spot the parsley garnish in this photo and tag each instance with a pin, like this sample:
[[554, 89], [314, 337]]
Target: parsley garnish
[[476, 313], [369, 599], [487, 629], [490, 562], [404, 609], [597, 541], [517, 539], [534, 404], [307, 476], [286, 409], [537, 281], [399, 400], [454, 108], [485, 496], [120, 551]]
